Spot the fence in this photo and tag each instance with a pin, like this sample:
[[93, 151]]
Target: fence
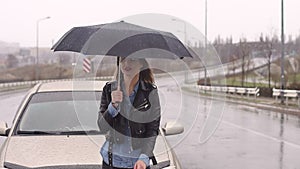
[[230, 90], [292, 94]]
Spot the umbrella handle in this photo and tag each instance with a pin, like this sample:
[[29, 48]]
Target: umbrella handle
[[119, 73]]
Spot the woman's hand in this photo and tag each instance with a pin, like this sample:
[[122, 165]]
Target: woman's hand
[[140, 165], [116, 97]]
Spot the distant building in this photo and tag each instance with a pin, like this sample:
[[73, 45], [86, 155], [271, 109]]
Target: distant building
[[9, 48], [24, 52], [45, 55]]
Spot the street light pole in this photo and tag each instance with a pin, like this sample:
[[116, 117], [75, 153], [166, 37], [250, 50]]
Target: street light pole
[[37, 46], [205, 71], [282, 53]]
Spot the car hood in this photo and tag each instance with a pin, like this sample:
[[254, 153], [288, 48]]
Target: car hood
[[73, 150], [37, 151]]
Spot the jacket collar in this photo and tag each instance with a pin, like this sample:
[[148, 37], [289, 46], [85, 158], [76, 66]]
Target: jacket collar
[[144, 86]]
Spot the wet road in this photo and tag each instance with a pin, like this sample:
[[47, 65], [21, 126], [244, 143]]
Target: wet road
[[245, 138], [9, 103]]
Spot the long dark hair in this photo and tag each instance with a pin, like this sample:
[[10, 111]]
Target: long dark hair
[[146, 74]]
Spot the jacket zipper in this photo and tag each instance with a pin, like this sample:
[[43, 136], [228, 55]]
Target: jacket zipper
[[129, 128], [143, 105]]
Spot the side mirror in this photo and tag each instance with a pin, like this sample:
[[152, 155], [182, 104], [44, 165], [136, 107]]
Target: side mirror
[[3, 128], [173, 128]]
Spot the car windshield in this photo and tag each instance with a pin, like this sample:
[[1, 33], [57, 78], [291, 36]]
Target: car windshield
[[61, 113]]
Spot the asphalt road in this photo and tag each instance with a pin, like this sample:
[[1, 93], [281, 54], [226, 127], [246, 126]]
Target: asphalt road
[[246, 137], [218, 135]]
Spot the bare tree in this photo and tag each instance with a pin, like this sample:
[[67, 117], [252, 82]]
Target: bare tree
[[11, 61], [244, 52], [64, 59], [297, 45], [266, 49]]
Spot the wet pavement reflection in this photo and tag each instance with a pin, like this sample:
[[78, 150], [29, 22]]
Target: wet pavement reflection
[[246, 138], [281, 143]]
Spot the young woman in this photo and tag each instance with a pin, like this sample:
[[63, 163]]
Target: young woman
[[131, 117]]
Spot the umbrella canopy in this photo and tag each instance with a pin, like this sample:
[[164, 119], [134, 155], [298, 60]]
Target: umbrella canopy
[[122, 39]]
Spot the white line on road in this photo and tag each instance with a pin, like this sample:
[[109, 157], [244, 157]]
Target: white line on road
[[262, 135]]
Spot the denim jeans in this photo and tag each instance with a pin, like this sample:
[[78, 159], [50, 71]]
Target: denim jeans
[[106, 166]]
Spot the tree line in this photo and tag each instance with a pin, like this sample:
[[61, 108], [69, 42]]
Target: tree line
[[244, 51]]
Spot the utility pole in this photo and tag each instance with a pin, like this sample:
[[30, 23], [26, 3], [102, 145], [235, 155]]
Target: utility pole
[[205, 71], [282, 53]]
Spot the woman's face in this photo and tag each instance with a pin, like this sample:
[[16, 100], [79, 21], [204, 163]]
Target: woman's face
[[130, 67]]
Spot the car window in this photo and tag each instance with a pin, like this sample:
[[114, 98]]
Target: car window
[[61, 112]]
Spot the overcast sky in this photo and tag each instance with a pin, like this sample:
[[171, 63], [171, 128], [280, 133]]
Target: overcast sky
[[236, 18]]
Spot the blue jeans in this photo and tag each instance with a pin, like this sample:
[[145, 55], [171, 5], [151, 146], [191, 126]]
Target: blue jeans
[[106, 166]]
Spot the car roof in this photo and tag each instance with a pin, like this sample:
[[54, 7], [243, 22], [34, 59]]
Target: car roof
[[71, 86]]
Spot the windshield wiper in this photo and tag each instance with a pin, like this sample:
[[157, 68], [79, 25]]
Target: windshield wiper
[[37, 132], [81, 132]]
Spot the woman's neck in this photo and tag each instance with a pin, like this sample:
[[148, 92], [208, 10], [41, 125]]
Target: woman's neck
[[130, 82]]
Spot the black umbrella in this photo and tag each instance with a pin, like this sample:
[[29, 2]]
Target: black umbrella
[[119, 39], [122, 39]]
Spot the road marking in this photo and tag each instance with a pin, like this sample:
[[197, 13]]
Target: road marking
[[262, 135]]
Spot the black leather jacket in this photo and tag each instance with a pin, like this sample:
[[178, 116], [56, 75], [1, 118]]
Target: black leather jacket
[[143, 119]]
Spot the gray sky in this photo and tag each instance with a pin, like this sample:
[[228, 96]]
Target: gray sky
[[236, 18]]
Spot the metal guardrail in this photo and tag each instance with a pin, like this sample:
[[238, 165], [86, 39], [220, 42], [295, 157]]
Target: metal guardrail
[[287, 94], [230, 90], [30, 83]]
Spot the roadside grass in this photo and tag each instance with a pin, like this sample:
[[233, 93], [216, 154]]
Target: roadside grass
[[293, 81], [238, 83], [294, 77]]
